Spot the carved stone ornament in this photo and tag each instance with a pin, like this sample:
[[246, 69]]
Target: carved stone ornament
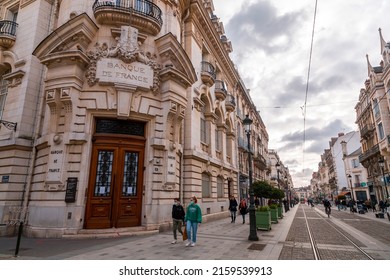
[[127, 49]]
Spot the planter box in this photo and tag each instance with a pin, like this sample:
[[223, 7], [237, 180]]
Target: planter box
[[380, 215], [274, 216], [280, 211], [263, 220]]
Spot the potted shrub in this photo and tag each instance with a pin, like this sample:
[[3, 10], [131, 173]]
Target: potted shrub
[[262, 189], [279, 195], [263, 218], [274, 213]]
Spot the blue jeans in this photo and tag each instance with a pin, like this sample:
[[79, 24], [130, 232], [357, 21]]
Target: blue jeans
[[192, 228]]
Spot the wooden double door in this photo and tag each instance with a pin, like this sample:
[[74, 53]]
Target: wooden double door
[[116, 183]]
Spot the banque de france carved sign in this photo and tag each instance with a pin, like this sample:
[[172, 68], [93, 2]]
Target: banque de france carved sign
[[111, 70], [123, 63]]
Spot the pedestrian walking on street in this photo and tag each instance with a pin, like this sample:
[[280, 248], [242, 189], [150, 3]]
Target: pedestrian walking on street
[[243, 207], [373, 205], [367, 203], [257, 202], [382, 206], [233, 208], [178, 215], [192, 218]]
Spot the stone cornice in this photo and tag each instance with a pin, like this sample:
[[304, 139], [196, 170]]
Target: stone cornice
[[75, 34], [207, 29], [175, 60]]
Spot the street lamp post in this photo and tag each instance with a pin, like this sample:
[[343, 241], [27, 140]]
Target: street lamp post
[[277, 165], [252, 215], [287, 205], [352, 195], [382, 165]]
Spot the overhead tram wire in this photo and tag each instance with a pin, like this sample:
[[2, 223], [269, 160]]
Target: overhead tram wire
[[307, 86]]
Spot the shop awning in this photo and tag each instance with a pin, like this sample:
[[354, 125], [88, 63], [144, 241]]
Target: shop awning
[[343, 194]]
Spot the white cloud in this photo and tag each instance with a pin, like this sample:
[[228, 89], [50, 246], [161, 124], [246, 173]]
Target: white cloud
[[271, 43]]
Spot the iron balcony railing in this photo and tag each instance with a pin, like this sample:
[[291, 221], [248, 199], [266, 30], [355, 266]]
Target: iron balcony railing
[[231, 100], [366, 130], [8, 27], [142, 7], [220, 90], [208, 68], [220, 86], [242, 143], [371, 152]]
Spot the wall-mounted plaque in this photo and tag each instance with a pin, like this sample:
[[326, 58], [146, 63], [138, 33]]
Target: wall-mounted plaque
[[5, 179], [71, 188]]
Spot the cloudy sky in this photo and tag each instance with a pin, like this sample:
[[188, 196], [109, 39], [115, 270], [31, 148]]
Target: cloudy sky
[[271, 48]]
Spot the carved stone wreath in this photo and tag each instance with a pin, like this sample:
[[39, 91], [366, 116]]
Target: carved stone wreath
[[103, 51]]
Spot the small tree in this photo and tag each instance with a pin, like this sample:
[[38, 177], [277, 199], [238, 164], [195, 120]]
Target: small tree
[[277, 194], [262, 189]]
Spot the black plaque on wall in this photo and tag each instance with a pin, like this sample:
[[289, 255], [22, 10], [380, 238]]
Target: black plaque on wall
[[71, 187]]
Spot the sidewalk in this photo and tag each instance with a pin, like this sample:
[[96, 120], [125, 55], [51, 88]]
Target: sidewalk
[[218, 240], [369, 215]]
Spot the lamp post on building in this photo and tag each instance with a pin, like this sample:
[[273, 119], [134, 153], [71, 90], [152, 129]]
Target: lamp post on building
[[252, 215], [382, 165]]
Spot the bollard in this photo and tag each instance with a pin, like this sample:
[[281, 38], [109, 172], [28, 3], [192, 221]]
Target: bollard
[[19, 237]]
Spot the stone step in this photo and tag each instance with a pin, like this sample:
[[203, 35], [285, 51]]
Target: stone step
[[110, 233]]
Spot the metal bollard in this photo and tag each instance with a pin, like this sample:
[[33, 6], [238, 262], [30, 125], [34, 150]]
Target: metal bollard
[[19, 237]]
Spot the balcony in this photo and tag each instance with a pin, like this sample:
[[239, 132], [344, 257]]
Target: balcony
[[208, 74], [366, 130], [242, 144], [260, 161], [369, 153], [220, 90], [7, 33], [230, 103], [141, 14]]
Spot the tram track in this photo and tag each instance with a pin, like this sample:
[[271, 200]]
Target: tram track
[[336, 233]]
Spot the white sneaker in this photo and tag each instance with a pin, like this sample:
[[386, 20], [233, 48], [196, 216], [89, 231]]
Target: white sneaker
[[188, 244], [174, 242], [192, 244]]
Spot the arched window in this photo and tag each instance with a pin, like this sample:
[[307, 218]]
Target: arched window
[[206, 185]]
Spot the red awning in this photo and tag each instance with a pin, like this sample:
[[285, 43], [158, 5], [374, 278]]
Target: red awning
[[343, 193]]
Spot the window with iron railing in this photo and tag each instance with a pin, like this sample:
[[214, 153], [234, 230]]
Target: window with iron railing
[[355, 163], [3, 94], [381, 131], [203, 128], [218, 140], [376, 108]]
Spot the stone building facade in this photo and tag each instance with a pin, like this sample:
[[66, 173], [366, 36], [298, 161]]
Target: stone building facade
[[110, 109], [372, 117]]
